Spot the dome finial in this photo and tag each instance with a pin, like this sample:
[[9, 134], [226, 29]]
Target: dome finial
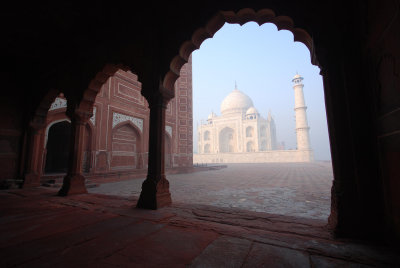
[[236, 85]]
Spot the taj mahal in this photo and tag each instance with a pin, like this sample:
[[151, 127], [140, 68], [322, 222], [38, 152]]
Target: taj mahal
[[242, 135]]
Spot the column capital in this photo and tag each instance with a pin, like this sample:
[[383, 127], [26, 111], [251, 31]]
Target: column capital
[[81, 117], [158, 97], [158, 100]]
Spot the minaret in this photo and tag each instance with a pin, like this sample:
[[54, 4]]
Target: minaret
[[302, 128], [272, 131]]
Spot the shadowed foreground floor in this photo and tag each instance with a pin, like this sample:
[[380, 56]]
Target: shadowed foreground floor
[[39, 229]]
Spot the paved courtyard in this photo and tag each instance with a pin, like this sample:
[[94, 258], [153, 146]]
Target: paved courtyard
[[291, 189]]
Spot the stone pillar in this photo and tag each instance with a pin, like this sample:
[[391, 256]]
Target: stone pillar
[[33, 173], [74, 181], [155, 189], [302, 128]]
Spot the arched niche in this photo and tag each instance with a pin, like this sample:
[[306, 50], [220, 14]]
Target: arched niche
[[57, 147], [125, 146], [250, 146]]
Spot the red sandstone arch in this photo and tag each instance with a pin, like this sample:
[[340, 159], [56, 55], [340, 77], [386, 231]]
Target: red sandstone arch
[[137, 144], [139, 133], [51, 123], [37, 139], [85, 107], [241, 17], [40, 115]]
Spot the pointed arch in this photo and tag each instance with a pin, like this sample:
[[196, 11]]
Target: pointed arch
[[85, 107], [57, 147], [241, 17], [126, 146]]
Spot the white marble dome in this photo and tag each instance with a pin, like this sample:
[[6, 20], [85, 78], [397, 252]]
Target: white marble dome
[[236, 102], [252, 110]]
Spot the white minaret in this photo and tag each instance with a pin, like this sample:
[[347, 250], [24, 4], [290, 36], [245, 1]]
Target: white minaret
[[302, 128]]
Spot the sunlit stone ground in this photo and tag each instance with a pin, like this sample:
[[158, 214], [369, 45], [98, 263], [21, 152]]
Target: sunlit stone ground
[[292, 189]]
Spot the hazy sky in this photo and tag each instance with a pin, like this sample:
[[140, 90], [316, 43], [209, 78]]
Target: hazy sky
[[263, 61]]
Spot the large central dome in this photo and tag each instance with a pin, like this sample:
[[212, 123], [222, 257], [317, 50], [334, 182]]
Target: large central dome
[[236, 102]]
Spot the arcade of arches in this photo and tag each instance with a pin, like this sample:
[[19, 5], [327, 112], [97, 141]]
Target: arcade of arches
[[356, 44], [115, 144]]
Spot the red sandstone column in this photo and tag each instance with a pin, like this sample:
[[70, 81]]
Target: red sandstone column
[[32, 175], [74, 181], [155, 189]]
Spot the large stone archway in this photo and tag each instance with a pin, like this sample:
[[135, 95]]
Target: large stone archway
[[344, 203]]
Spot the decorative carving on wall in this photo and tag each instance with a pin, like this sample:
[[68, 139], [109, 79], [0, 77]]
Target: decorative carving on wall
[[93, 118], [118, 118], [58, 104], [169, 130]]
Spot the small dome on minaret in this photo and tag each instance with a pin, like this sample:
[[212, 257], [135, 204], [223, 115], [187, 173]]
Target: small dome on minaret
[[297, 79]]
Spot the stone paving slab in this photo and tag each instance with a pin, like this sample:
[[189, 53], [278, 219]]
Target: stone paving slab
[[324, 262], [170, 247], [292, 189], [264, 255], [60, 221], [90, 252], [225, 251], [54, 244], [180, 235]]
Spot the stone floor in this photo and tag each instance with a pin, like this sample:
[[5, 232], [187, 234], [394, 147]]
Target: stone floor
[[40, 229], [293, 189]]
